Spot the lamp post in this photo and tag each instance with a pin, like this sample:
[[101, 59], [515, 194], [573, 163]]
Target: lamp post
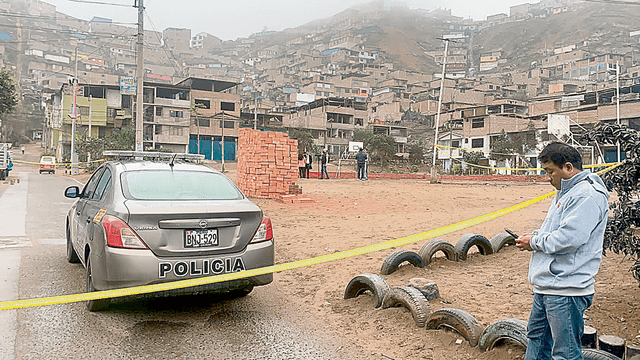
[[74, 156], [618, 102], [434, 175]]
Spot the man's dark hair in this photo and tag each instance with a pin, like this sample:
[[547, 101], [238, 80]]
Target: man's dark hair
[[560, 153]]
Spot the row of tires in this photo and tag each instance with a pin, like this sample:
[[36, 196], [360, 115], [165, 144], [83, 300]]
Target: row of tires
[[413, 299], [452, 253]]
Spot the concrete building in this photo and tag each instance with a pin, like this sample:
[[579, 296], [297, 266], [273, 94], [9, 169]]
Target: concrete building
[[215, 110], [178, 40]]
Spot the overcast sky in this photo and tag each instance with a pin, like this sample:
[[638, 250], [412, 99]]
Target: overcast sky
[[231, 19]]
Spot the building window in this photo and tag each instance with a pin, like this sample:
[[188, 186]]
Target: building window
[[203, 122], [326, 94], [477, 123], [455, 143], [176, 113], [358, 121], [202, 104], [477, 143], [83, 110], [490, 87], [158, 130], [318, 93], [227, 124], [159, 111]]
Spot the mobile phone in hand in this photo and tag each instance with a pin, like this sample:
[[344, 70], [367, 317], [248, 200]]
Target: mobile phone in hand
[[511, 233]]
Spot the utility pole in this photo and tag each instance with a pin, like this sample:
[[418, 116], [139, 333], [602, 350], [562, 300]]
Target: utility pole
[[89, 152], [618, 101], [140, 76], [434, 174], [222, 143], [74, 156], [255, 115]]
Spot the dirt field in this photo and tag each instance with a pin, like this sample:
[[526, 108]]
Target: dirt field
[[352, 213]]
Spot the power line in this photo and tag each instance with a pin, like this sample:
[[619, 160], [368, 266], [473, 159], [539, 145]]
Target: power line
[[99, 3], [166, 49]]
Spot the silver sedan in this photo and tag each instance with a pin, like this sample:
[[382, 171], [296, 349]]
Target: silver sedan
[[140, 222]]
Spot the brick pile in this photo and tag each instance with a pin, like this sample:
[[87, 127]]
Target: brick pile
[[267, 164]]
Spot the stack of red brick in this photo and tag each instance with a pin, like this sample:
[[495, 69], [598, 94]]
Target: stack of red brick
[[267, 164]]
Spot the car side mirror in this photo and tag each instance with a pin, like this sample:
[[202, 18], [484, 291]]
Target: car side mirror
[[72, 192]]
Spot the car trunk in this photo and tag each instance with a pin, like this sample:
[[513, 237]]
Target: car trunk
[[163, 225]]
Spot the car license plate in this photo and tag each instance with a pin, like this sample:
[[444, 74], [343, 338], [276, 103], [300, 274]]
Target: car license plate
[[200, 238]]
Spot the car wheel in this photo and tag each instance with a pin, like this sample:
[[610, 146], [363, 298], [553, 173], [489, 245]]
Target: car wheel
[[53, 171], [93, 305], [72, 257]]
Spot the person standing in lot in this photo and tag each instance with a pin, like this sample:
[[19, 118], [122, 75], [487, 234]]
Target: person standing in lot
[[366, 164], [361, 160], [324, 161], [301, 166], [567, 250], [308, 160]]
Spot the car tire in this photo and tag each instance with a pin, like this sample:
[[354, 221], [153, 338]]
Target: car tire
[[458, 320], [72, 257], [393, 260], [514, 330], [53, 171], [371, 282], [500, 240], [2, 177], [468, 241], [411, 299], [93, 305], [595, 354], [431, 247]]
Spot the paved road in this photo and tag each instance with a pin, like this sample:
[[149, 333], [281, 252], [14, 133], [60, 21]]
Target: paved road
[[33, 263]]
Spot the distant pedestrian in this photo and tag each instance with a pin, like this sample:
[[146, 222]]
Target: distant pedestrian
[[301, 166], [324, 160], [361, 160], [22, 148], [308, 160], [366, 164]]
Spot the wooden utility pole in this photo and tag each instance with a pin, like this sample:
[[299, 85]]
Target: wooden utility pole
[[140, 77]]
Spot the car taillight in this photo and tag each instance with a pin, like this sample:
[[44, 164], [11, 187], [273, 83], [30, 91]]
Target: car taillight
[[120, 235], [264, 233]]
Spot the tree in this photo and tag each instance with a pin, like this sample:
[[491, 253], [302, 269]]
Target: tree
[[8, 100], [501, 146], [305, 141], [416, 152], [472, 157], [381, 147]]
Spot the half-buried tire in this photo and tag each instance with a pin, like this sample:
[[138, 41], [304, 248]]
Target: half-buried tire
[[499, 240], [595, 354], [393, 261], [367, 282], [410, 298], [468, 241], [511, 330], [457, 320], [431, 247]]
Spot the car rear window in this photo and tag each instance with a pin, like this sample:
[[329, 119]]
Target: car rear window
[[47, 160], [178, 185]]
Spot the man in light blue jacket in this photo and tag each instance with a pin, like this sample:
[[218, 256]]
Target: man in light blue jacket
[[567, 250]]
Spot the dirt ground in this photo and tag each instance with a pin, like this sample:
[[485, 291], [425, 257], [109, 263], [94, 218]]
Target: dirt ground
[[352, 213]]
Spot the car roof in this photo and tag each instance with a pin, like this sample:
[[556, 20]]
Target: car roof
[[133, 165]]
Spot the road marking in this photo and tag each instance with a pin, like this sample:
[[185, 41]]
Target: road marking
[[14, 242], [52, 241]]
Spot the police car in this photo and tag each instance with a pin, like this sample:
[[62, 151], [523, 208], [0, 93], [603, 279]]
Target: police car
[[146, 218]]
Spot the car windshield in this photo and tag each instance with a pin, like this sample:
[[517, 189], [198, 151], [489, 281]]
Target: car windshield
[[47, 160], [177, 185]]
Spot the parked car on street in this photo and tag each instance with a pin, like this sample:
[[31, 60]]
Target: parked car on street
[[162, 218], [48, 164]]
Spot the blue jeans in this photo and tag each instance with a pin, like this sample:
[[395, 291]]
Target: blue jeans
[[556, 326], [323, 171]]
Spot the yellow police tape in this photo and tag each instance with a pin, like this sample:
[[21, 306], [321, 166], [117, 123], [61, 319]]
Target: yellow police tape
[[60, 163], [137, 290], [524, 169]]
